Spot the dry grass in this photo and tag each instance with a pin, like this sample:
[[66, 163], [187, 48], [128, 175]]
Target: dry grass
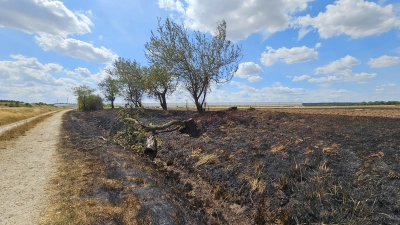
[[15, 132], [68, 205], [207, 158], [73, 197], [10, 115]]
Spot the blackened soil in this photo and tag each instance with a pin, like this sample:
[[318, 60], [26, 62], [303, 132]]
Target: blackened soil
[[253, 167]]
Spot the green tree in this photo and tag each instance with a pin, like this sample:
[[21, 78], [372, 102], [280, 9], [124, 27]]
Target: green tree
[[110, 87], [131, 78], [159, 83], [86, 99], [199, 60]]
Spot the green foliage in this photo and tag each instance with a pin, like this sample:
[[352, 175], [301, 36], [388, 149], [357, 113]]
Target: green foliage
[[110, 87], [27, 105], [86, 99], [197, 59], [130, 76], [159, 83], [133, 136]]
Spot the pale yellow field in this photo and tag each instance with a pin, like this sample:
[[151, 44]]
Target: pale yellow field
[[13, 114]]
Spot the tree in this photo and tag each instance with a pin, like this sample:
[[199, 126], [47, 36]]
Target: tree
[[86, 99], [130, 76], [110, 87], [159, 83], [198, 59]]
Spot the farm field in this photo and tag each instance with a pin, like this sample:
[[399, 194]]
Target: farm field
[[13, 114], [269, 166]]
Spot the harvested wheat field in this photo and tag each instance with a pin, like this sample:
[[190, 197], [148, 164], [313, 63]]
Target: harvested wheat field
[[270, 166], [13, 114]]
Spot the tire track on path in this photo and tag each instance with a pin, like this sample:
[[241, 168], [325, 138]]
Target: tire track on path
[[25, 170]]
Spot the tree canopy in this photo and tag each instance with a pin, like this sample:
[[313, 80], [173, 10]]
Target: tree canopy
[[110, 87], [199, 60]]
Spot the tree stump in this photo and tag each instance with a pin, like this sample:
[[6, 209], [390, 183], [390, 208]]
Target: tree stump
[[151, 147], [190, 128]]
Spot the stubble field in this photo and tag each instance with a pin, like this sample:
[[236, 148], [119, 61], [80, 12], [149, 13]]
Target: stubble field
[[270, 166]]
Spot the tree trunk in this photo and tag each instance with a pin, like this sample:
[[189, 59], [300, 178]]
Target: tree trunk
[[112, 103], [163, 101], [199, 106]]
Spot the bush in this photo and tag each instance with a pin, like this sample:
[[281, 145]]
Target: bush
[[90, 103]]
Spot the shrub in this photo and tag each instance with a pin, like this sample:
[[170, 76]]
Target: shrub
[[90, 103]]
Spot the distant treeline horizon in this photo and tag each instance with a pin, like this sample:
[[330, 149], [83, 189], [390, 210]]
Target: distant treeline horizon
[[352, 103]]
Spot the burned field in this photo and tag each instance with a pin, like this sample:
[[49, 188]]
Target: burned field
[[246, 167]]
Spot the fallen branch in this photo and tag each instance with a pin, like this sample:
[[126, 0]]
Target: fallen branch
[[153, 127], [188, 126]]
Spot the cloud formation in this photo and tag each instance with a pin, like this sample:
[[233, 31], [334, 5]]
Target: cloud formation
[[243, 17], [341, 66], [249, 71], [28, 79], [355, 18], [384, 61], [76, 48], [288, 56], [43, 17], [52, 23], [300, 78]]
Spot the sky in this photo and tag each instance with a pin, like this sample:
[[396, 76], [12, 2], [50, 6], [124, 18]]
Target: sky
[[293, 50]]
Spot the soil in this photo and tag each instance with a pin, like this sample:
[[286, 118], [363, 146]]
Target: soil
[[25, 169], [274, 166]]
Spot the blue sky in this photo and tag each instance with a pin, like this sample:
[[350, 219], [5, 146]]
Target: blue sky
[[294, 50]]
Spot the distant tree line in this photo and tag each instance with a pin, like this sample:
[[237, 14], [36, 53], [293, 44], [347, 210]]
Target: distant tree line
[[176, 57], [352, 103]]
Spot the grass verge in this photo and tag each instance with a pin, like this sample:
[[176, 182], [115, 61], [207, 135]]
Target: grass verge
[[75, 196], [11, 115], [14, 132]]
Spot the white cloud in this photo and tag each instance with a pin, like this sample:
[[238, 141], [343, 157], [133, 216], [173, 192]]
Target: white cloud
[[341, 66], [357, 77], [300, 78], [341, 71], [26, 79], [76, 48], [384, 61], [254, 78], [289, 56], [53, 23], [318, 45], [327, 79], [355, 18], [43, 16], [249, 71], [243, 17]]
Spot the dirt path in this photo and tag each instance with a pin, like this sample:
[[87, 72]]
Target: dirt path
[[25, 169]]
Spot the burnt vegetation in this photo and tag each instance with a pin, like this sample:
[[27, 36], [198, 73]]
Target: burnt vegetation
[[245, 167]]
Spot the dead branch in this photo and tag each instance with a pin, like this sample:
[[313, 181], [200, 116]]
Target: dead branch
[[155, 127]]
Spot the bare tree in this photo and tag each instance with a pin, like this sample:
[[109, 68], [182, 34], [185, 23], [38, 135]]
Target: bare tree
[[199, 60]]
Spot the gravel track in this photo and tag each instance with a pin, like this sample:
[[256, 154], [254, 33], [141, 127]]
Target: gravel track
[[26, 167]]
